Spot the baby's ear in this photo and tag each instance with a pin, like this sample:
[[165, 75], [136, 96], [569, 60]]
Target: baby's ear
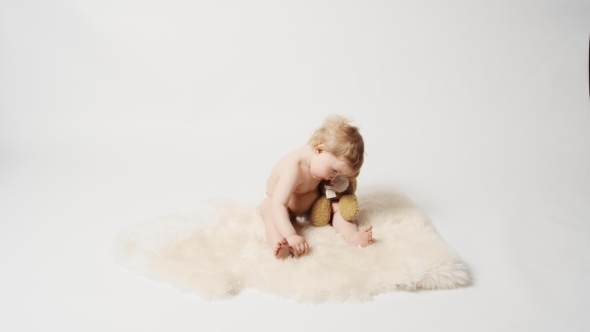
[[319, 148]]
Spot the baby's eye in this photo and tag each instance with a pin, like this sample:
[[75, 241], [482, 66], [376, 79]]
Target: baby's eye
[[334, 171]]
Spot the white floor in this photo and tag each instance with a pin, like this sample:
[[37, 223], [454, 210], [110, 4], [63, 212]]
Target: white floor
[[113, 113]]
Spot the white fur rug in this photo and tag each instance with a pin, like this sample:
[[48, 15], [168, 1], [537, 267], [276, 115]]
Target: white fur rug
[[217, 250]]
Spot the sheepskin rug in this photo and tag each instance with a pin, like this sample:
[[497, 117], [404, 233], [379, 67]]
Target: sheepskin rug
[[216, 250]]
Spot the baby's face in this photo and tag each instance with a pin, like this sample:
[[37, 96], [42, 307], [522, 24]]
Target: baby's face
[[325, 166]]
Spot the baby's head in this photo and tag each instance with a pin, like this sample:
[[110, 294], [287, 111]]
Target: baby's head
[[341, 139]]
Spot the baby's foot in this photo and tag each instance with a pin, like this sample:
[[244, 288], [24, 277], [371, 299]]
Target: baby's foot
[[363, 237], [281, 249]]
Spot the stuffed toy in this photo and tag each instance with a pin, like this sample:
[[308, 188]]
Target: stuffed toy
[[338, 190]]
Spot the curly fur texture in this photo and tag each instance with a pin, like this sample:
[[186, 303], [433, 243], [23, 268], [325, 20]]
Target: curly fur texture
[[218, 251]]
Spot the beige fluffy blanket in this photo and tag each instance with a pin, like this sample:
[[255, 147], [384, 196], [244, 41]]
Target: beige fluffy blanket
[[217, 250]]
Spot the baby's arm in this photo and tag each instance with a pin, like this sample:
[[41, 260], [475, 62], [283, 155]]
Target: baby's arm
[[285, 187]]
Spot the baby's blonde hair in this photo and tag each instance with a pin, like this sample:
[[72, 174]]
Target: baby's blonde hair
[[341, 139]]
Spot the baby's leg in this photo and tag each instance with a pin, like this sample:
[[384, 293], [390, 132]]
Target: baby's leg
[[300, 204], [275, 239], [351, 232]]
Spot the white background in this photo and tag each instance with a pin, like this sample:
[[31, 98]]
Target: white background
[[113, 113]]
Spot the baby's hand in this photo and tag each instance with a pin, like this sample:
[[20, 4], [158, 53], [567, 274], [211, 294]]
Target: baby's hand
[[298, 245]]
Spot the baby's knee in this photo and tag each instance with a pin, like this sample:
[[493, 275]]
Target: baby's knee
[[265, 203]]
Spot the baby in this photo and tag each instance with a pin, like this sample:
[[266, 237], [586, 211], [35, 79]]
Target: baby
[[336, 148]]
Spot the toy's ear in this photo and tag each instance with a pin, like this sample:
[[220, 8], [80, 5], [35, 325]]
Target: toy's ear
[[353, 185], [340, 183]]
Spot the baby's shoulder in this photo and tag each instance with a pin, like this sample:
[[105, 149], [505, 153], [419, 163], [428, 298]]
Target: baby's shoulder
[[289, 164], [294, 157]]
